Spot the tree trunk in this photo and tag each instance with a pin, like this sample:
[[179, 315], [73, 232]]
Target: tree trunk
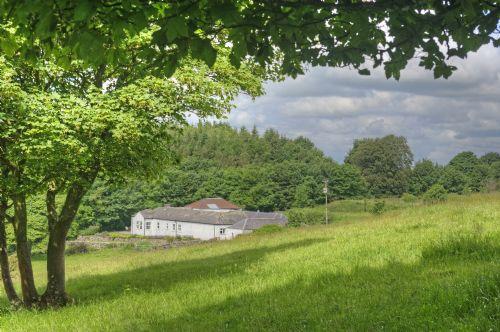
[[4, 260], [59, 225], [30, 295], [55, 294]]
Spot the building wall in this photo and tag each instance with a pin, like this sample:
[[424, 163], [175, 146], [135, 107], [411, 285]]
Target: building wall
[[231, 233], [155, 227], [137, 224]]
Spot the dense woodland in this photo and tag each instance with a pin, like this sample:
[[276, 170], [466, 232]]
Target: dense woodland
[[270, 172]]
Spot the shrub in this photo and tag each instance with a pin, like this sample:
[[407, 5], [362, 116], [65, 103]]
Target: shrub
[[378, 207], [116, 235], [305, 216], [267, 229], [409, 198], [78, 248], [435, 194], [91, 230]]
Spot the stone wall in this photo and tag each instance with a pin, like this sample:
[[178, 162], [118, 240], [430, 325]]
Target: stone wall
[[100, 241]]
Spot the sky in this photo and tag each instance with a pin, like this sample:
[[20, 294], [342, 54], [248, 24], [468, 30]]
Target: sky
[[333, 106]]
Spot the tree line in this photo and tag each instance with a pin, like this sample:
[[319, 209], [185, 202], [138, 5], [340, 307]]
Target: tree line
[[270, 172], [387, 166]]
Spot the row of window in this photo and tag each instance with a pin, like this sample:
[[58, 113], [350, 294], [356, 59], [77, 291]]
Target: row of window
[[222, 231], [148, 226]]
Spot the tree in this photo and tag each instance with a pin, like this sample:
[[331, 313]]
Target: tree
[[423, 176], [478, 177], [384, 162], [453, 180], [59, 138], [495, 170], [490, 158], [476, 171], [464, 162], [306, 193], [326, 33]]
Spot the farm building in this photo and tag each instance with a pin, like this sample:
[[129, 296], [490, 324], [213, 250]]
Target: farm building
[[212, 218]]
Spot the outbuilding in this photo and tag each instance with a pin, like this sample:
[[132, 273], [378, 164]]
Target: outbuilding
[[202, 224]]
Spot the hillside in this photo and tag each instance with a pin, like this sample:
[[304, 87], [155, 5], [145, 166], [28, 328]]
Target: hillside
[[423, 268]]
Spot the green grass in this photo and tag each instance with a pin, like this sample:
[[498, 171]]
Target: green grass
[[346, 210], [418, 268]]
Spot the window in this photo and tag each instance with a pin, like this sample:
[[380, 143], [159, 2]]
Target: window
[[178, 227], [158, 225], [166, 226], [148, 224], [139, 224], [222, 231]]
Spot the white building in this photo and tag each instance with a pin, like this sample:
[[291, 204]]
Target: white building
[[205, 224]]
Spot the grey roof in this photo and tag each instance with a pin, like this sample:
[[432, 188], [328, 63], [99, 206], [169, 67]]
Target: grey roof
[[214, 217], [255, 223]]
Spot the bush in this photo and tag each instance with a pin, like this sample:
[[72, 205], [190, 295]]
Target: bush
[[409, 198], [91, 230], [378, 207], [267, 229], [116, 235], [466, 191], [305, 216], [435, 194], [78, 248]]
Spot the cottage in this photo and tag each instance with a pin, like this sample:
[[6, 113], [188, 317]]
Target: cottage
[[204, 220]]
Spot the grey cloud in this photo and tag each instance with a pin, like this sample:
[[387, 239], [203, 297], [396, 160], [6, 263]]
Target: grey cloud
[[335, 106]]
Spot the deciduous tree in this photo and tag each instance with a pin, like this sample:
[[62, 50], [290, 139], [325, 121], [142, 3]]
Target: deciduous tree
[[384, 162], [323, 32], [71, 126]]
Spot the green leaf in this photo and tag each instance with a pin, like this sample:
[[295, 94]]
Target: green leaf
[[176, 27], [365, 72], [160, 38], [8, 46], [203, 49], [234, 60], [46, 25], [82, 10]]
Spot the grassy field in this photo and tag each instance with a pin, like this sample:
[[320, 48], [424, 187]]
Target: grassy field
[[422, 268]]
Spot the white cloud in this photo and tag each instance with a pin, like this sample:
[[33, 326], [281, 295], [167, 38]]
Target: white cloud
[[439, 117]]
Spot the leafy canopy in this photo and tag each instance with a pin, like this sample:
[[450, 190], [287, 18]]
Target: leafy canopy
[[385, 163], [327, 33]]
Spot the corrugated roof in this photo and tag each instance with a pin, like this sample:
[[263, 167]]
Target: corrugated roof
[[213, 203], [213, 217]]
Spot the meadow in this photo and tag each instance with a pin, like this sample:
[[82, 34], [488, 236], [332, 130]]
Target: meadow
[[422, 267]]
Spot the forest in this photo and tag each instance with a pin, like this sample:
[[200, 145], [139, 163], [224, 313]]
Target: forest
[[269, 172]]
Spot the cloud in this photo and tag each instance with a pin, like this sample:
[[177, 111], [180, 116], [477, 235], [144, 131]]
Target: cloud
[[334, 106]]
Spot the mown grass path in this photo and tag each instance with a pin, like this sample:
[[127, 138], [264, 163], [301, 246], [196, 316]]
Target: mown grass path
[[424, 268]]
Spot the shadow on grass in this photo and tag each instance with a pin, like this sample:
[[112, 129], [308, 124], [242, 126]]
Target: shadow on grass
[[456, 286], [166, 275], [462, 293]]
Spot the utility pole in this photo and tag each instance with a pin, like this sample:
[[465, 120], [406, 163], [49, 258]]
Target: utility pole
[[325, 191]]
